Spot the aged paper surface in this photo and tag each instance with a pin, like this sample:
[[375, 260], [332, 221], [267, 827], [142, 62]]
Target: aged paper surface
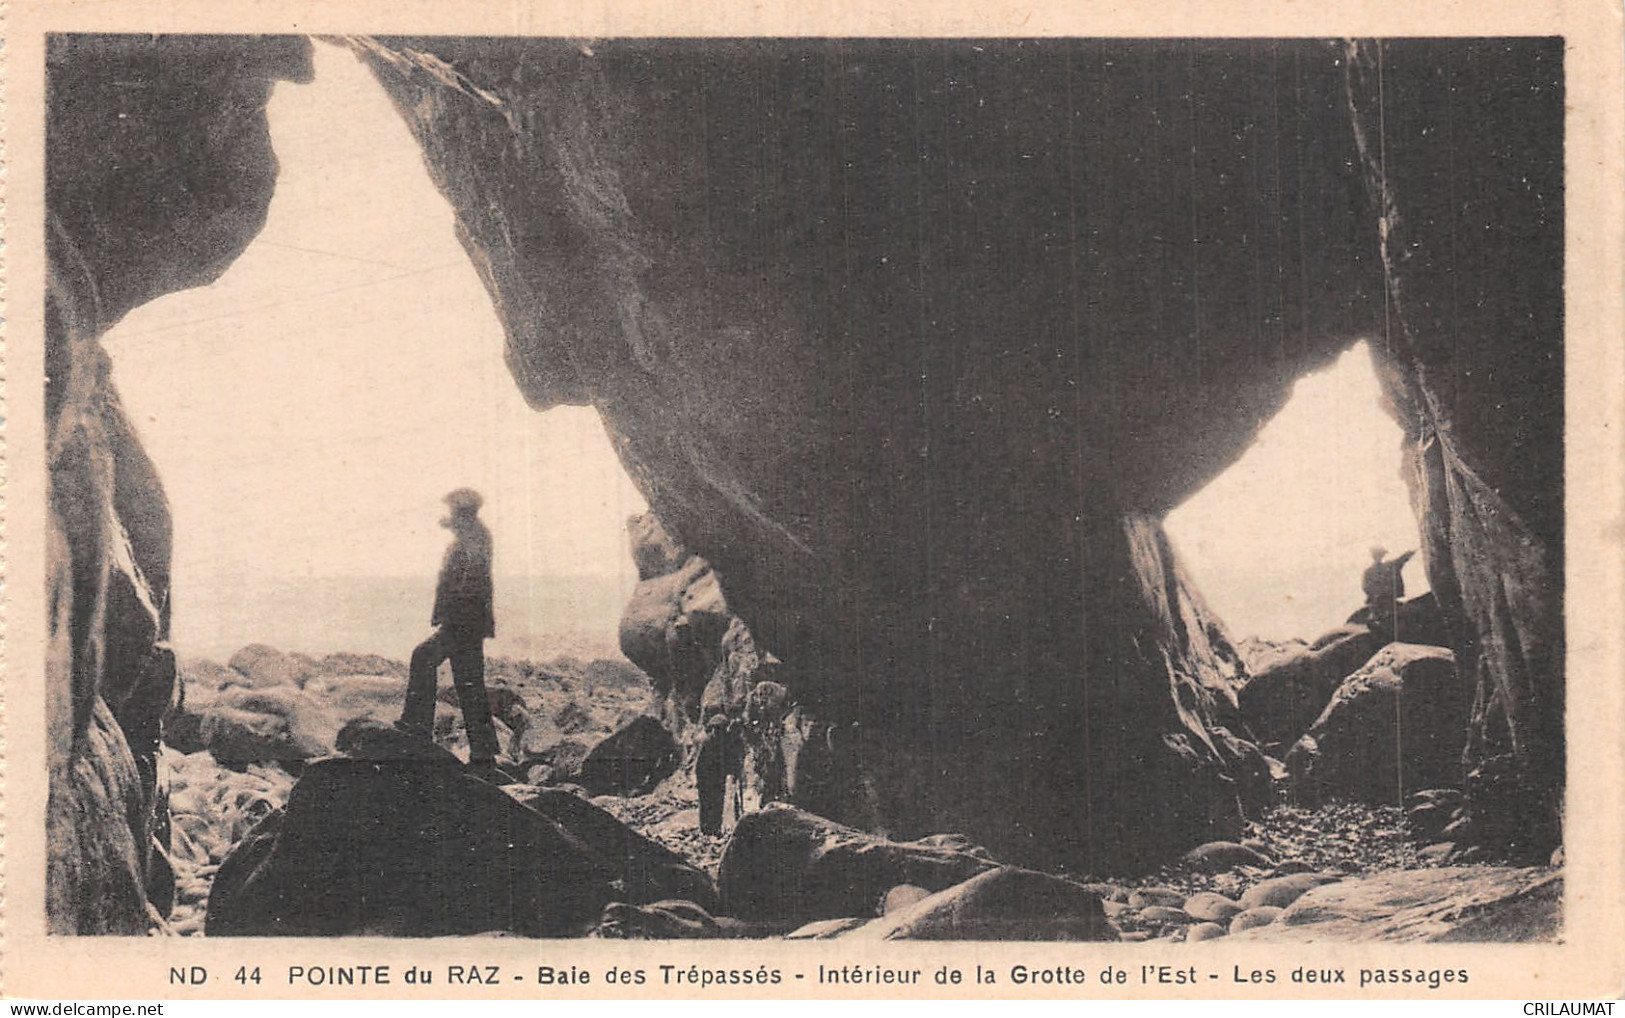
[[907, 330]]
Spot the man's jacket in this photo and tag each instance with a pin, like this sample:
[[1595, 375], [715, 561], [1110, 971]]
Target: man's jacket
[[1386, 580], [462, 599]]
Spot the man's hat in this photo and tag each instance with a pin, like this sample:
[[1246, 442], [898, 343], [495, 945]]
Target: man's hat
[[465, 500], [1377, 550]]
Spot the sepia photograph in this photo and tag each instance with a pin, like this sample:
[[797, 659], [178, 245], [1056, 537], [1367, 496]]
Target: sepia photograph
[[807, 490], [856, 425]]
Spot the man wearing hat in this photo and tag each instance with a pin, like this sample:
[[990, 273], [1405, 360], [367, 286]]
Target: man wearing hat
[[464, 620], [1384, 586]]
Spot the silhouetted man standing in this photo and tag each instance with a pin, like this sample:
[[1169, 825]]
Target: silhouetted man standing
[[464, 619], [1384, 585]]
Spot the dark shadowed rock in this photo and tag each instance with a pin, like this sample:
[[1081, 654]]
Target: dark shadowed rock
[[369, 739], [406, 848], [1399, 723], [236, 737], [98, 835], [1001, 904], [653, 550], [1280, 704], [785, 863], [646, 871], [659, 920], [672, 628], [632, 761]]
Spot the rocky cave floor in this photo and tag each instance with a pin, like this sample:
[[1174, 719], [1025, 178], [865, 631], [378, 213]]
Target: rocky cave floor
[[215, 807]]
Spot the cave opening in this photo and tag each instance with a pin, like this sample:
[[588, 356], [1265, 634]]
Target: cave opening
[[306, 501], [1278, 542]]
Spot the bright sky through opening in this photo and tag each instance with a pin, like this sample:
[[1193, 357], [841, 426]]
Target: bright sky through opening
[[309, 410], [1278, 542]]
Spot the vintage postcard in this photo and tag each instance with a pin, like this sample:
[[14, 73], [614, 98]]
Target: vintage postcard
[[526, 501]]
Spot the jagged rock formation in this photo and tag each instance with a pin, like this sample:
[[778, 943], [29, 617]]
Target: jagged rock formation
[[159, 173], [1472, 341], [1393, 727], [675, 624], [914, 343], [1281, 699]]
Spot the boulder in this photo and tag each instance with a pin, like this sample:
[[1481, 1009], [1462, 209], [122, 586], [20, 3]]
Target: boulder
[[564, 760], [312, 726], [1261, 655], [902, 896], [672, 629], [260, 665], [1397, 724], [654, 551], [1145, 897], [826, 929], [406, 847], [1204, 931], [1208, 906], [659, 920], [1466, 904], [348, 697], [1262, 915], [646, 871], [1217, 856], [1279, 892], [534, 735], [201, 680], [1418, 620], [238, 737], [1280, 703], [632, 761], [782, 863], [1001, 904], [370, 739]]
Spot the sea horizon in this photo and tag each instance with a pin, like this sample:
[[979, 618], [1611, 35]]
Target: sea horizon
[[537, 617]]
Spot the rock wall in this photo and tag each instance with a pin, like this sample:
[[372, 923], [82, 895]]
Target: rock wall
[[1467, 181], [159, 172]]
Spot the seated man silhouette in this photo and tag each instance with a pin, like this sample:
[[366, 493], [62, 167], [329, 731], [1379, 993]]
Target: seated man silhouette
[[464, 620], [1384, 585]]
